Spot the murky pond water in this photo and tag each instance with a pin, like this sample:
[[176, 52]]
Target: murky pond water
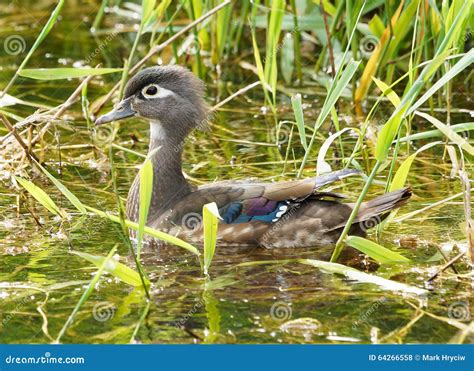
[[41, 281]]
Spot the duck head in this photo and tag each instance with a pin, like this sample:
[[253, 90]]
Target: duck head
[[170, 97]]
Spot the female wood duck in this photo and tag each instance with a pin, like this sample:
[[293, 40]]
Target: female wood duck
[[283, 214]]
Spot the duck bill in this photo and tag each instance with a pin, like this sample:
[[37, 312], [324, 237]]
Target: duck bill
[[121, 111]]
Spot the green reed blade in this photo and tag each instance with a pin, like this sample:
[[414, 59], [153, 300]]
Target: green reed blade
[[448, 132], [44, 32], [66, 192], [150, 231], [210, 219], [296, 103], [64, 73], [145, 192], [273, 36], [115, 268], [333, 95], [348, 272], [401, 175], [41, 196], [375, 251], [99, 16], [460, 66], [467, 126], [86, 294]]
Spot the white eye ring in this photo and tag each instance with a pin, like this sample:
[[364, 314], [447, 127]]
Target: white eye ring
[[159, 93], [148, 95]]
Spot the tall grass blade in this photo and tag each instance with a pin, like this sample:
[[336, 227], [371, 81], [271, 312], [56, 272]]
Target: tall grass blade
[[390, 129], [149, 231], [44, 32], [66, 192], [64, 73], [466, 126], [145, 192], [333, 95], [222, 26], [260, 70], [273, 37], [388, 92], [210, 219], [41, 196], [85, 295], [375, 251], [460, 66], [299, 117], [373, 62], [401, 175], [451, 134], [114, 267]]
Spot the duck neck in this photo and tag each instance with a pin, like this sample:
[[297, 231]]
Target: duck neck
[[169, 184]]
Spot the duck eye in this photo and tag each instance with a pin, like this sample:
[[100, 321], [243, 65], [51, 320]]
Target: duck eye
[[150, 91]]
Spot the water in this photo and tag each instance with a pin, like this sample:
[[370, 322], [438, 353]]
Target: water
[[41, 281]]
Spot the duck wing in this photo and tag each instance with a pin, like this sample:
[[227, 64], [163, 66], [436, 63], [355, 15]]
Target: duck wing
[[247, 201]]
